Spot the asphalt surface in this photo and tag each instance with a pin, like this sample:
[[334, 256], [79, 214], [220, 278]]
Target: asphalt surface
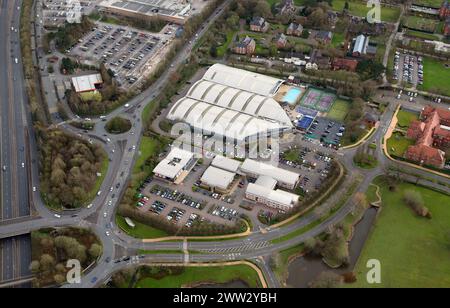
[[257, 246], [13, 122]]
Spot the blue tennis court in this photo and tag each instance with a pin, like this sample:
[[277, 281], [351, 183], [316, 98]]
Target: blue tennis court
[[305, 122]]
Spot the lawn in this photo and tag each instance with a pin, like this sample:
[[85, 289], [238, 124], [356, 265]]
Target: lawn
[[435, 76], [222, 49], [419, 23], [357, 8], [429, 3], [405, 118], [140, 230], [422, 35], [148, 147], [398, 144], [292, 155], [338, 39], [339, 110], [413, 251], [210, 274], [98, 182]]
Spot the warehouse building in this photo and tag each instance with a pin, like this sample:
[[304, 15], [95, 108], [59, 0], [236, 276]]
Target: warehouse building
[[233, 103], [87, 83], [218, 180], [226, 163], [278, 199], [176, 11], [175, 166], [284, 178]]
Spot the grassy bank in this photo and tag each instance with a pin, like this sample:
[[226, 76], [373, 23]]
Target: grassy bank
[[413, 251]]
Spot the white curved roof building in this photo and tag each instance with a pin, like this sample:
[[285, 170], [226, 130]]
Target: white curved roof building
[[233, 103]]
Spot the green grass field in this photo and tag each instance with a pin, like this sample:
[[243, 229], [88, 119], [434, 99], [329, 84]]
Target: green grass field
[[339, 110], [357, 8], [147, 148], [405, 118], [338, 39], [435, 77], [103, 170], [194, 275], [422, 35], [429, 3], [398, 144], [140, 230], [413, 251], [420, 23]]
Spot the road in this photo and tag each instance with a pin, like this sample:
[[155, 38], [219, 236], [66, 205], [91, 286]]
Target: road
[[13, 147]]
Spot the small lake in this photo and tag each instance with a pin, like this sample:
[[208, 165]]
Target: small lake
[[303, 270]]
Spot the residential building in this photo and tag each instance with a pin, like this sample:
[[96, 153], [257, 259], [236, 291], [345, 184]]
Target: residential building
[[444, 11], [288, 7], [175, 166], [246, 46], [294, 29], [432, 134], [259, 24], [344, 64], [281, 40], [324, 36], [447, 27]]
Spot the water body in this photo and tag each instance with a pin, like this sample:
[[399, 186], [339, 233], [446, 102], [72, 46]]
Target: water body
[[303, 270]]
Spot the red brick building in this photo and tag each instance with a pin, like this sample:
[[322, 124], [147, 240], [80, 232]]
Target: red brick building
[[432, 135], [344, 64], [246, 46], [444, 11]]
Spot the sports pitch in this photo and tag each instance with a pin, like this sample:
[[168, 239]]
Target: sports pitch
[[318, 100]]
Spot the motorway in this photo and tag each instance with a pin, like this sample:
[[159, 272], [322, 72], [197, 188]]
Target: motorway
[[256, 247], [15, 252]]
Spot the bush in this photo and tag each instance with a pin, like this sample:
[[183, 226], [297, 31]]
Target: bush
[[414, 200], [118, 125]]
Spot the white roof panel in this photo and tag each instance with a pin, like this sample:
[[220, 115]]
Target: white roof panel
[[259, 168], [216, 177]]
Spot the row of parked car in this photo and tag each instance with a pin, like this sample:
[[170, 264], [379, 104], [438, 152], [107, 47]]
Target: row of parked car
[[224, 212]]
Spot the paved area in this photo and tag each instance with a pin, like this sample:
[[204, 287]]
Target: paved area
[[131, 54]]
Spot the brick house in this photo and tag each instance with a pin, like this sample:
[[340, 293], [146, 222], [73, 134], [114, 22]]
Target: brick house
[[259, 24], [447, 27], [344, 64], [281, 40], [246, 46], [432, 134], [294, 29], [324, 36], [444, 11]]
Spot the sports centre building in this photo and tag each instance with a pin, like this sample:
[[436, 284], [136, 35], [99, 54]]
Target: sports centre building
[[233, 103]]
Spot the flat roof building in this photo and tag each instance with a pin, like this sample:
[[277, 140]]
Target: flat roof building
[[217, 179], [86, 83], [173, 166], [226, 163], [274, 198], [284, 178]]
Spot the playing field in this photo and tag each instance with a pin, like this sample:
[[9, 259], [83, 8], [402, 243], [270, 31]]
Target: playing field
[[318, 100], [436, 77], [339, 110], [428, 3]]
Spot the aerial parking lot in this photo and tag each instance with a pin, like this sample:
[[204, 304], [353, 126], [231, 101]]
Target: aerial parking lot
[[56, 12], [408, 69], [131, 54]]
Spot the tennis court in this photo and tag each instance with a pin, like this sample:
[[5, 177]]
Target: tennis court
[[339, 110], [318, 100]]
